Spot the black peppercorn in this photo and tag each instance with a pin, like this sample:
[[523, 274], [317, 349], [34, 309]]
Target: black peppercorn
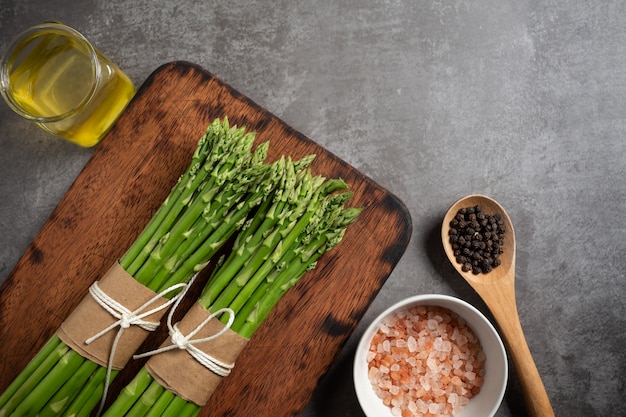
[[477, 239]]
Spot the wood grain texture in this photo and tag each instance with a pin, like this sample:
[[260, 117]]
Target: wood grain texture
[[120, 188]]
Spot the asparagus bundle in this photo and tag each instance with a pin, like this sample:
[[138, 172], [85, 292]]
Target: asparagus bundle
[[303, 219], [225, 180]]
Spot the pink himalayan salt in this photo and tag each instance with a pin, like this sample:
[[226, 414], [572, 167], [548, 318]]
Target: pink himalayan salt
[[425, 362]]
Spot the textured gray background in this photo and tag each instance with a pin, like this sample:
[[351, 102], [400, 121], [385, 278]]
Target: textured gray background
[[521, 100]]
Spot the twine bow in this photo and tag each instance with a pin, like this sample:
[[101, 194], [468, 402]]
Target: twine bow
[[127, 318], [185, 342]]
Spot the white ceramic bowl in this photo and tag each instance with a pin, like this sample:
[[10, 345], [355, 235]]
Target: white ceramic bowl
[[486, 403]]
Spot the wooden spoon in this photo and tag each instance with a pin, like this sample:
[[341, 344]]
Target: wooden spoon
[[497, 289]]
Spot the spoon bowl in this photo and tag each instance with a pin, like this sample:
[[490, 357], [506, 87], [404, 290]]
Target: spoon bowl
[[489, 206], [497, 289]]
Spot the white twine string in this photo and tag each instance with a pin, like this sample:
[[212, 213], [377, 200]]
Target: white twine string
[[186, 343], [127, 318]]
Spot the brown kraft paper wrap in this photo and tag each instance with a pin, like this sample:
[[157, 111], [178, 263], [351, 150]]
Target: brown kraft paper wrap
[[177, 371], [89, 318]]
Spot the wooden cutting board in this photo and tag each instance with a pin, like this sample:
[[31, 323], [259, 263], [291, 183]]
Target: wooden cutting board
[[127, 178]]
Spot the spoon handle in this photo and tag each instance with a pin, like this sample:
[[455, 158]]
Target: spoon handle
[[504, 310]]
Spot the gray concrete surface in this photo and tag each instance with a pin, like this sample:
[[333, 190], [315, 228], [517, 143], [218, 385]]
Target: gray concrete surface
[[524, 101]]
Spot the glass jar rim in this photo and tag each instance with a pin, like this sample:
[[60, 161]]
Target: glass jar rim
[[29, 35]]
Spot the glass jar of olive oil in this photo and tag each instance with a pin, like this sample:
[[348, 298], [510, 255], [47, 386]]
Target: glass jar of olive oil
[[53, 76]]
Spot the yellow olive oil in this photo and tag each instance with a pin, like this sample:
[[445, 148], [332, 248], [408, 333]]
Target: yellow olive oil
[[57, 79]]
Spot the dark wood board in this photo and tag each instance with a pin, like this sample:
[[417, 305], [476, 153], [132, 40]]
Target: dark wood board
[[122, 185]]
